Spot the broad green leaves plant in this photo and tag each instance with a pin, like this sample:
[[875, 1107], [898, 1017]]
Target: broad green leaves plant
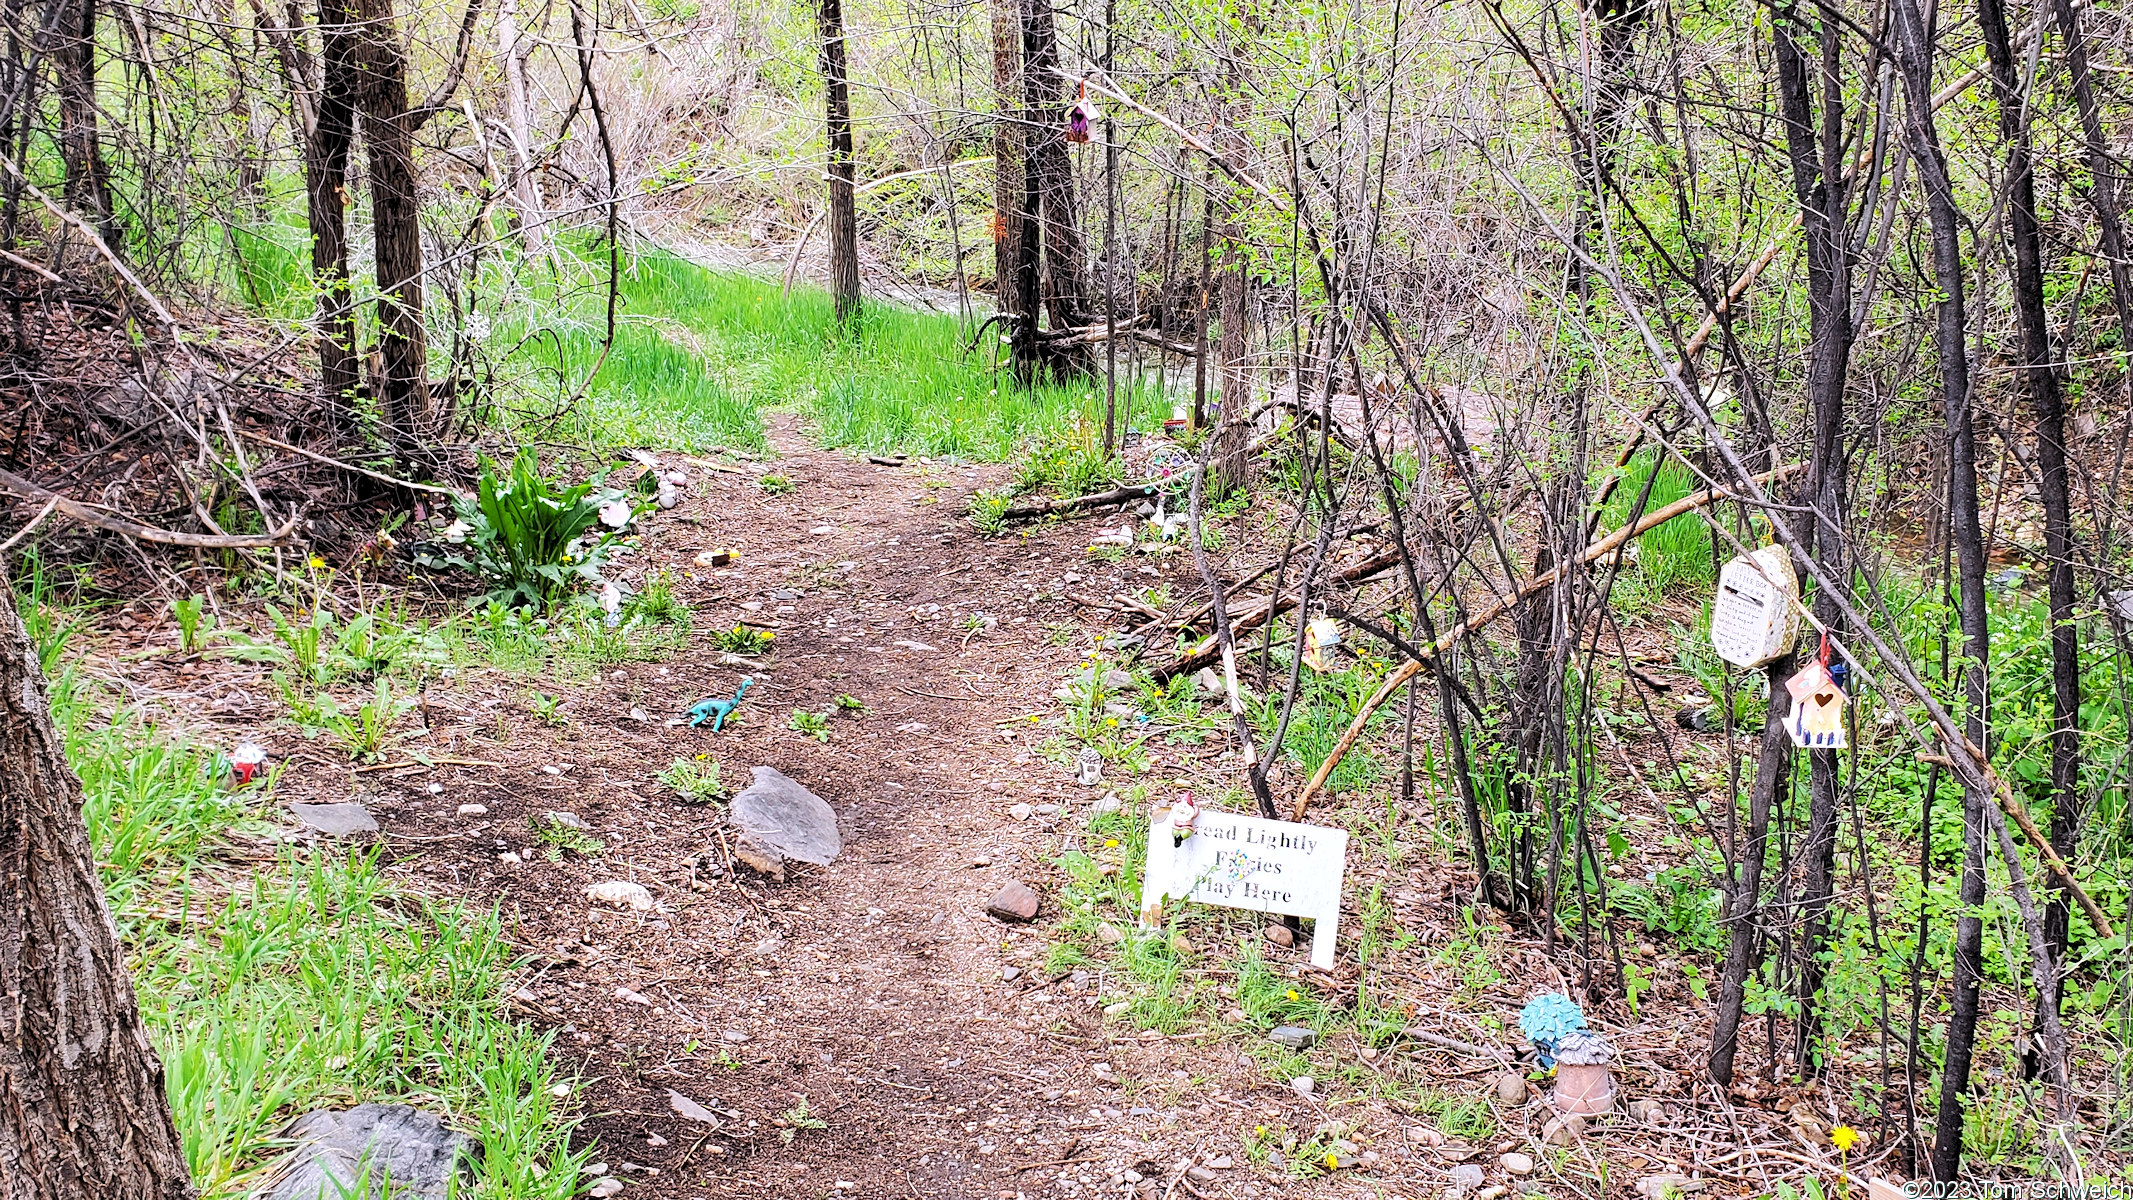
[[530, 539]]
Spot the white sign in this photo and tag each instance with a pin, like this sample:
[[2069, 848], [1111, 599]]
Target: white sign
[[1251, 863], [1753, 618]]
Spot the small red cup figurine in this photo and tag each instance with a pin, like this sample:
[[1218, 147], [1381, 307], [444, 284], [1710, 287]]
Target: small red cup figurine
[[246, 762]]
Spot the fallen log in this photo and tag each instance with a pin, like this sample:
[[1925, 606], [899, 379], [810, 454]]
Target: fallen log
[[1538, 584], [1046, 508], [76, 510]]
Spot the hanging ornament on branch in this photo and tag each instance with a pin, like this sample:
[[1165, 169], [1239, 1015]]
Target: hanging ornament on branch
[[1818, 700], [1080, 117]]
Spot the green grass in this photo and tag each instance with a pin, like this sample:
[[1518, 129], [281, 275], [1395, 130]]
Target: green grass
[[701, 353], [1677, 553], [307, 980]]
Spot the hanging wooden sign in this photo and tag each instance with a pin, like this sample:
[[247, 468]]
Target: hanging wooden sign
[[1754, 615]]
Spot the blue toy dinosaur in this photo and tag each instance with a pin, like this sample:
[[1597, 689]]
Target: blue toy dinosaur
[[716, 710]]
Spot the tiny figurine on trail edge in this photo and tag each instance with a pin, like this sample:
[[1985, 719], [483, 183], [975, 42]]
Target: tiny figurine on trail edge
[[716, 709]]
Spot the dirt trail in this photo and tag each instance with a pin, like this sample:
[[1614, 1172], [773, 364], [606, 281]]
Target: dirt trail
[[873, 988]]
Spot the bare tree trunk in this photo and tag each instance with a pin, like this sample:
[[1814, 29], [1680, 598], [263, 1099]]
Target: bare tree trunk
[[326, 199], [1233, 419], [1819, 185], [83, 1114], [88, 180], [2103, 192], [1913, 44], [1051, 177], [843, 221], [1014, 282], [2041, 381], [1743, 905], [513, 46], [402, 384]]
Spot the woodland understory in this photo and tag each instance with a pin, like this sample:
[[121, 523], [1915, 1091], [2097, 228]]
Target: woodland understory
[[347, 351]]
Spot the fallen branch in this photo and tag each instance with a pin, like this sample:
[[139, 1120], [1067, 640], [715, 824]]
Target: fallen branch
[[35, 521], [1046, 508], [1206, 652], [1540, 583], [78, 511], [315, 456]]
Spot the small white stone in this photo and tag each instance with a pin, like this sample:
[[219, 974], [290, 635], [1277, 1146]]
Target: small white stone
[[473, 810], [1303, 1085], [1020, 812], [436, 789]]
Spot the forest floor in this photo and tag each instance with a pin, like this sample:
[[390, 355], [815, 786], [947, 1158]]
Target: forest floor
[[875, 996], [866, 1028]]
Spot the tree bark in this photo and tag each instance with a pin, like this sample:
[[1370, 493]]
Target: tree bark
[[326, 152], [402, 383], [1773, 766], [83, 1113], [513, 46], [1050, 172], [1014, 279], [2041, 382], [1913, 42], [87, 189], [843, 221], [1819, 185], [2103, 192]]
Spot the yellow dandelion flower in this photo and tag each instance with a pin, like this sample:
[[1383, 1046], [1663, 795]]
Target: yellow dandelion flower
[[1034, 718], [770, 635], [1111, 721], [1110, 843], [317, 562], [1844, 1137], [1333, 1160], [1294, 994]]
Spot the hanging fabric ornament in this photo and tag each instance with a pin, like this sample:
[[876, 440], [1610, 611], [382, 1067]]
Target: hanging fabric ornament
[[1321, 639], [1817, 719], [1080, 117]]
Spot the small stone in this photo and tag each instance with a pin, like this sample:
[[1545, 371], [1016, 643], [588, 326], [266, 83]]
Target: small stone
[[1201, 1173], [1423, 1135], [1047, 810], [434, 789], [603, 1187], [759, 856], [1109, 934], [1700, 719], [1491, 1192], [1516, 1163], [734, 1037], [1010, 974], [1563, 1130], [336, 820], [1220, 1162], [1367, 1053], [1281, 935], [567, 820], [821, 530], [1303, 1085], [1015, 901], [1116, 680], [634, 997], [1295, 1037], [654, 1140], [1131, 1176], [1020, 812], [621, 893], [1649, 1112], [1466, 1175], [1106, 806], [1206, 684], [1662, 1187], [1510, 1088], [473, 810]]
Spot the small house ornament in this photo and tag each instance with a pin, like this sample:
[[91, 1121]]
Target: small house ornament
[[1817, 718], [1080, 117], [1321, 639], [1755, 613]]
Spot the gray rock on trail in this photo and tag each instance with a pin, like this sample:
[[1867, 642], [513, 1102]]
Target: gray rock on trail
[[336, 820], [788, 818], [1295, 1037], [410, 1148]]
